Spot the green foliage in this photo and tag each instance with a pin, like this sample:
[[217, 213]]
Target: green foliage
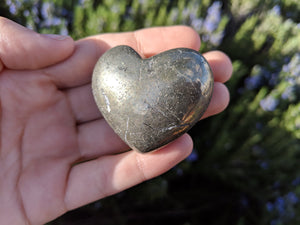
[[245, 167]]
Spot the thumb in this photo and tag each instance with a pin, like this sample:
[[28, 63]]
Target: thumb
[[21, 48]]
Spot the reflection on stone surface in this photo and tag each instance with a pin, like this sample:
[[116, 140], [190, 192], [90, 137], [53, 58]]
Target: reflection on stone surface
[[150, 102]]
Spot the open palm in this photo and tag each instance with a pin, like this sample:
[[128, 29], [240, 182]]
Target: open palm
[[56, 152]]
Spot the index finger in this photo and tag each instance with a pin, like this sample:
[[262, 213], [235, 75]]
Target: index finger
[[77, 70]]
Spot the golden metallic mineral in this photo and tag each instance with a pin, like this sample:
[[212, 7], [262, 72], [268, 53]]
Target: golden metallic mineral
[[150, 102]]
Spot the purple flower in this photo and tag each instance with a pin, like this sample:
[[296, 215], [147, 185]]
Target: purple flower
[[293, 66], [64, 31], [259, 126], [46, 9], [185, 13], [216, 39], [273, 80], [259, 76], [12, 9], [196, 23], [280, 205], [296, 182], [14, 6], [253, 82], [276, 9], [292, 76], [269, 103], [52, 21], [26, 13], [205, 37], [286, 68], [81, 2], [288, 93], [284, 206], [292, 198], [193, 156], [263, 164], [213, 17], [270, 206]]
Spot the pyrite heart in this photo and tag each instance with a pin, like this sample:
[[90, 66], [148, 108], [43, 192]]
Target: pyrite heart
[[150, 102]]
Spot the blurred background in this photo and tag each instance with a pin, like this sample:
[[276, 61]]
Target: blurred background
[[245, 167]]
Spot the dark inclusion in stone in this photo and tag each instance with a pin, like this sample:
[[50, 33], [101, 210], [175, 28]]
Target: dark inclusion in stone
[[150, 102]]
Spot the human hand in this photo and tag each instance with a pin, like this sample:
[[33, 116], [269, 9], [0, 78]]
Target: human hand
[[56, 151]]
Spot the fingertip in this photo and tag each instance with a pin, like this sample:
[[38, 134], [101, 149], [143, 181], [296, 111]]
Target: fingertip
[[151, 41], [219, 102], [220, 64], [186, 144], [225, 96], [220, 98], [190, 37], [181, 146], [22, 48], [56, 47], [158, 162]]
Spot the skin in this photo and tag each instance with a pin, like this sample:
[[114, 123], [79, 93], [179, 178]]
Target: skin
[[56, 151]]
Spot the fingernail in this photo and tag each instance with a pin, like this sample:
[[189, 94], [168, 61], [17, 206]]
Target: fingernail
[[57, 37]]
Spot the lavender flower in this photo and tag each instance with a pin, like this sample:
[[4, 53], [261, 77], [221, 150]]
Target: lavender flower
[[280, 205], [270, 206], [52, 21], [196, 23], [263, 164], [296, 181], [14, 6], [284, 207], [258, 126], [286, 68], [292, 76], [26, 13], [185, 13], [288, 93], [46, 9], [216, 39], [253, 82], [276, 9], [273, 80], [193, 156], [293, 67], [269, 103], [213, 17], [64, 31], [258, 77], [292, 198], [12, 9], [81, 2]]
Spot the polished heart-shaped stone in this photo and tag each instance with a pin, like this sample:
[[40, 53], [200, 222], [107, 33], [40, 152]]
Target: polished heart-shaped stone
[[150, 102]]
